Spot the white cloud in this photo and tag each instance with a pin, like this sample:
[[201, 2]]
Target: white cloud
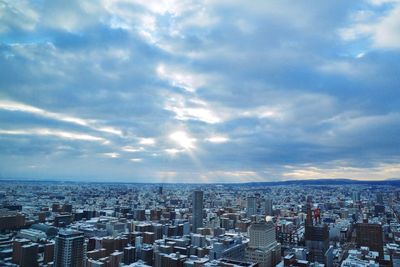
[[93, 124], [55, 133], [217, 139], [147, 141], [132, 149], [180, 78], [173, 151], [380, 172], [191, 109], [111, 155], [382, 28], [19, 14]]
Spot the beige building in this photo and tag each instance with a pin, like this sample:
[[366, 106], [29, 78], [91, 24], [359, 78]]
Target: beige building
[[263, 247]]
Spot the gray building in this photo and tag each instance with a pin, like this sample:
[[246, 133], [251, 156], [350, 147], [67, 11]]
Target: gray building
[[197, 210], [251, 206], [268, 207]]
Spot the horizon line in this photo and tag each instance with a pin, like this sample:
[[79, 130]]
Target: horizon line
[[102, 181]]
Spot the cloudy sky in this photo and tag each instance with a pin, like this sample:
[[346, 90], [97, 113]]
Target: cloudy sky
[[199, 91]]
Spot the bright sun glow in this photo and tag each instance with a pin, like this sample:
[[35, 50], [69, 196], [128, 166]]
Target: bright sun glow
[[183, 139]]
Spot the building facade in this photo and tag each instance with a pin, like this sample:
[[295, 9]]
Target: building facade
[[197, 210], [69, 249]]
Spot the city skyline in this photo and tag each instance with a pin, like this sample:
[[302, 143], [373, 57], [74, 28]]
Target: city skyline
[[199, 91]]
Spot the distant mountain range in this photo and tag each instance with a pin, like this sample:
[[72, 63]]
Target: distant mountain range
[[317, 182], [392, 182]]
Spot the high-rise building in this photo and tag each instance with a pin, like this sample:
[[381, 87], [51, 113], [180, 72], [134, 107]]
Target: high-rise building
[[69, 249], [370, 235], [356, 196], [379, 198], [129, 255], [29, 255], [17, 249], [316, 235], [197, 210], [48, 252], [140, 214], [251, 206], [268, 207], [263, 247], [262, 235]]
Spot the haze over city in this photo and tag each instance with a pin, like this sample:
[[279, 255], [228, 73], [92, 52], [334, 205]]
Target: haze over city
[[199, 91]]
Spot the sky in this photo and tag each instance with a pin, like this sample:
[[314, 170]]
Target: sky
[[199, 91]]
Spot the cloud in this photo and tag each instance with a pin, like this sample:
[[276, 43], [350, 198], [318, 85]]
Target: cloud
[[191, 109], [179, 78], [198, 91], [147, 141], [382, 29], [15, 106], [379, 172], [132, 149], [173, 151], [111, 155], [217, 139], [55, 133], [17, 15]]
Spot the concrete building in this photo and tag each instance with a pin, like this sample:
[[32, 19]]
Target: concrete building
[[69, 249], [251, 206], [268, 207], [370, 235], [197, 210], [29, 255], [228, 247], [263, 247]]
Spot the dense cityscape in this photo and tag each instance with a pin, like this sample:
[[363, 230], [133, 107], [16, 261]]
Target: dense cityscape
[[199, 133], [104, 224]]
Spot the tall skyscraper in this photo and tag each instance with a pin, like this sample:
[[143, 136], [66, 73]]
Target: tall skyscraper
[[69, 249], [268, 207], [356, 196], [197, 210], [251, 206]]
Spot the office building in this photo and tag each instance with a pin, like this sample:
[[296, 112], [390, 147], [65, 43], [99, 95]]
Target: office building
[[263, 247], [268, 207], [251, 206], [356, 196], [197, 210]]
